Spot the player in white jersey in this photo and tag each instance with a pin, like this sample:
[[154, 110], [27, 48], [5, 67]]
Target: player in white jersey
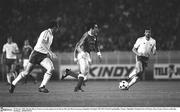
[[143, 48], [40, 56], [10, 50]]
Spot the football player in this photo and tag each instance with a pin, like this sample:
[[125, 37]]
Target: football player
[[40, 56], [143, 48], [10, 51], [26, 51], [87, 44]]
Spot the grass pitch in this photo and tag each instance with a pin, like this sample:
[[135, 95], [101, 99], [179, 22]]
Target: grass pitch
[[97, 94]]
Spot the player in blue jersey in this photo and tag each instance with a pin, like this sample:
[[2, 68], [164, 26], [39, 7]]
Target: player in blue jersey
[[87, 44]]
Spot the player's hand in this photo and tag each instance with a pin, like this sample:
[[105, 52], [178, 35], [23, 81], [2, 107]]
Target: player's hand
[[75, 60], [140, 54], [2, 60], [15, 52], [52, 55], [154, 52], [99, 56], [100, 59]]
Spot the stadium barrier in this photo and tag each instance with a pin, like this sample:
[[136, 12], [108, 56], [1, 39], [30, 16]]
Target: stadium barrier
[[166, 71], [102, 71], [126, 57], [112, 58]]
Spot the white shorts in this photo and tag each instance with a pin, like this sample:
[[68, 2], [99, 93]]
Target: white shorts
[[84, 55]]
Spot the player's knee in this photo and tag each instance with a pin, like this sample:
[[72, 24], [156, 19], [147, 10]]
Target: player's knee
[[85, 78], [139, 70], [49, 73], [84, 72], [135, 78], [80, 75], [50, 70], [132, 73], [23, 73]]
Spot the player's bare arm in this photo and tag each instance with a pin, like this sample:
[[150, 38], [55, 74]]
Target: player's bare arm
[[98, 50], [3, 54], [136, 52], [2, 57], [75, 53], [154, 49], [52, 55]]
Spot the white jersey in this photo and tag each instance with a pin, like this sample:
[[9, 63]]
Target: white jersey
[[144, 46], [10, 50], [45, 40]]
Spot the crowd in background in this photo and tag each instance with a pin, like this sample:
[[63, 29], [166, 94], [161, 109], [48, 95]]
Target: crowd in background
[[121, 22]]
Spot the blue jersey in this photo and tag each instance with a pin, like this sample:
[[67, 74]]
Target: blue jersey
[[88, 43], [26, 52]]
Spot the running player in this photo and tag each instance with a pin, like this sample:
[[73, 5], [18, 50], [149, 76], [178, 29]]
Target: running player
[[10, 50], [40, 56], [143, 48], [87, 43], [26, 51]]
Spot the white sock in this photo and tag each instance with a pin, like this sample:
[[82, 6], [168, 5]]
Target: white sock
[[18, 78], [46, 78], [133, 81], [8, 77]]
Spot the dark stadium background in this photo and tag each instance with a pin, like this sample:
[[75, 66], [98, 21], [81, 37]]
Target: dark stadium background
[[121, 22]]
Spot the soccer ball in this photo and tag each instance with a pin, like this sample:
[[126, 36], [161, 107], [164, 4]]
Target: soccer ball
[[123, 84]]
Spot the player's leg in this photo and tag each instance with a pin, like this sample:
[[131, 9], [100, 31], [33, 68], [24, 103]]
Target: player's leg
[[8, 70], [134, 78], [68, 72], [48, 65], [34, 78], [84, 69], [25, 62], [89, 62], [8, 74], [132, 74], [23, 73], [85, 80], [20, 76], [13, 71]]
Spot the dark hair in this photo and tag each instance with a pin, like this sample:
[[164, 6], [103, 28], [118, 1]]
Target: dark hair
[[148, 27], [147, 30], [9, 37], [53, 24], [91, 25]]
